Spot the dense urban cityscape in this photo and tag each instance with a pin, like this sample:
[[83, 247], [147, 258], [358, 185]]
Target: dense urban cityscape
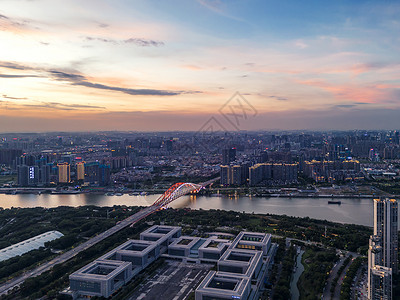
[[335, 167]]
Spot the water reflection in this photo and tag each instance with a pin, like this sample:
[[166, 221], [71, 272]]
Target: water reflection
[[357, 211]]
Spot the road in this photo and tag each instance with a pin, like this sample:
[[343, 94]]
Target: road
[[332, 276], [17, 281], [336, 294], [9, 285], [360, 283]]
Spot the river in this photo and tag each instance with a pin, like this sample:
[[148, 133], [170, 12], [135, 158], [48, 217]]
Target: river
[[352, 210], [294, 290]]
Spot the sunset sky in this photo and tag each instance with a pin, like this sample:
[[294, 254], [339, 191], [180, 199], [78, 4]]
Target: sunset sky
[[171, 65]]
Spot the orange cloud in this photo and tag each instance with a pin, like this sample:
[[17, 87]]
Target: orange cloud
[[352, 92], [192, 67]]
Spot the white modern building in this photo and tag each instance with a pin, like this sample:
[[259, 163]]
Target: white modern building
[[213, 248], [242, 264], [139, 253], [161, 234], [28, 245], [241, 269], [246, 263], [185, 246], [218, 286], [100, 278], [252, 241], [96, 279]]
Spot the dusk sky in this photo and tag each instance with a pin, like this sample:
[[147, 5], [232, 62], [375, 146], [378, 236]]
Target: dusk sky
[[171, 65]]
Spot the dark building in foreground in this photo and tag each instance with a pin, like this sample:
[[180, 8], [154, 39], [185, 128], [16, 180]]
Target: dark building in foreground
[[383, 250], [7, 156]]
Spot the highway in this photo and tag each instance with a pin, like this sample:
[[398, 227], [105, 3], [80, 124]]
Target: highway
[[17, 281]]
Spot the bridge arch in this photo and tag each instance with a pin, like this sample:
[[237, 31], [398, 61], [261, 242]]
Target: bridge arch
[[175, 191]]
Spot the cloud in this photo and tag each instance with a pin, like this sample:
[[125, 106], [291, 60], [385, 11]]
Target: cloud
[[16, 76], [142, 42], [129, 91], [62, 106], [47, 105], [192, 67], [300, 44], [14, 24], [367, 93], [218, 7], [10, 65], [80, 80], [63, 76], [344, 106], [77, 79], [279, 98], [14, 98]]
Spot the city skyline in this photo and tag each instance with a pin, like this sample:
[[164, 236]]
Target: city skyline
[[150, 66]]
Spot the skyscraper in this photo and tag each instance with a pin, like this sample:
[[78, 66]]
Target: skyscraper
[[381, 283], [383, 249], [228, 155], [385, 227], [64, 173], [80, 171]]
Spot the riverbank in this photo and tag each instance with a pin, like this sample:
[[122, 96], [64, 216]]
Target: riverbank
[[116, 192], [351, 210]]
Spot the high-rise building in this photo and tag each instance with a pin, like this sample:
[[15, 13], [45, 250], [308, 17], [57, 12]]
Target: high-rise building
[[64, 173], [228, 155], [104, 175], [270, 171], [28, 175], [97, 174], [385, 226], [7, 156], [225, 176], [44, 174], [235, 174], [92, 172], [383, 250], [23, 175], [80, 171], [381, 283]]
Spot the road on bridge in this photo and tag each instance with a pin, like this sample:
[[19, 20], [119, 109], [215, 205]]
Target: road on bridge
[[17, 281], [9, 285]]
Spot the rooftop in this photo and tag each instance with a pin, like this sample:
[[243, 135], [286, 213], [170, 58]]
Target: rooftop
[[28, 245]]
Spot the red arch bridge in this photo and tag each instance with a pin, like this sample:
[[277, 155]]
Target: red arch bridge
[[174, 192]]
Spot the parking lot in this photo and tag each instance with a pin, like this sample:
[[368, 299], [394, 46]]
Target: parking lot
[[175, 281]]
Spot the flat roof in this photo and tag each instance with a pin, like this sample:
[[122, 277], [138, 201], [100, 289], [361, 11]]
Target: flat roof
[[100, 270], [225, 285], [184, 241], [160, 230], [132, 247], [213, 244], [28, 245]]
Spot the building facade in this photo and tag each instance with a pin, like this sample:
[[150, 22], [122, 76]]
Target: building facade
[[383, 250], [64, 173]]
